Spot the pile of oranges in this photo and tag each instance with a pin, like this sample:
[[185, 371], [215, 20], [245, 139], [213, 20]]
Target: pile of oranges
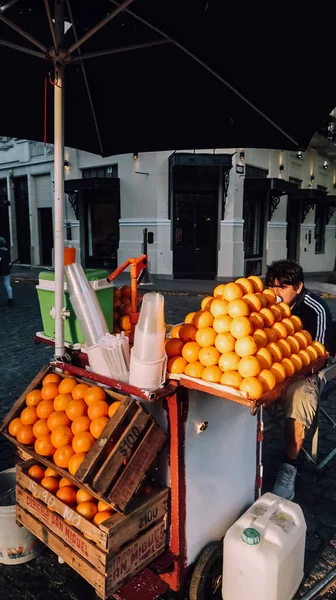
[[63, 419], [241, 338], [122, 309]]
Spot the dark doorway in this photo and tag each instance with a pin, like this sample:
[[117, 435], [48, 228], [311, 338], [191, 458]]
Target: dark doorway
[[253, 233], [101, 230], [293, 228], [4, 217], [46, 235], [22, 219]]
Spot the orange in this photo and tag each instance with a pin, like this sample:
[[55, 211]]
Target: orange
[[81, 424], [49, 391], [269, 317], [175, 332], [206, 336], [212, 374], [229, 361], [285, 346], [40, 428], [270, 297], [257, 320], [87, 510], [187, 332], [75, 462], [222, 323], [61, 401], [25, 435], [190, 351], [297, 362], [246, 285], [82, 442], [76, 408], [277, 312], [177, 364], [304, 355], [56, 419], [288, 323], [194, 369], [224, 342], [245, 346], [286, 310], [101, 506], [67, 385], [232, 291], [289, 367], [102, 516], [312, 352], [257, 283], [189, 318], [98, 409], [116, 293], [238, 308], [50, 484], [83, 496], [93, 394], [296, 322], [114, 407], [67, 495], [294, 343], [262, 299], [14, 426], [265, 358], [43, 445], [248, 366], [219, 291], [275, 351], [63, 455], [219, 307], [206, 302], [174, 347], [203, 318], [280, 330], [301, 338], [36, 472], [50, 472], [260, 338], [61, 436], [44, 409], [52, 378], [267, 380], [97, 426], [124, 300], [232, 379], [125, 323], [307, 335], [29, 416], [208, 356], [240, 326], [320, 349], [279, 372], [33, 398], [271, 335], [253, 387], [126, 291], [125, 310], [79, 391], [65, 482]]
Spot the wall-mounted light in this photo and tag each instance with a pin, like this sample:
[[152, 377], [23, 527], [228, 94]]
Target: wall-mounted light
[[281, 168], [299, 154], [66, 164], [325, 164], [312, 178], [135, 155], [242, 154]]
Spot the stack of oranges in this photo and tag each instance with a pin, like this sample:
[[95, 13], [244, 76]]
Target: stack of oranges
[[122, 309], [63, 419], [241, 338]]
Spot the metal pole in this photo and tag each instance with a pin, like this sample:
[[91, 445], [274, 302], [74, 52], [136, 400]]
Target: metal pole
[[319, 586]]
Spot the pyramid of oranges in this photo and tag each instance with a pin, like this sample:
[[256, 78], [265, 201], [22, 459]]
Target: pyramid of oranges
[[63, 419], [241, 338]]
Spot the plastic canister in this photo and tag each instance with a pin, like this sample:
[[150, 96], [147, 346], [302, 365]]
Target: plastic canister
[[264, 551]]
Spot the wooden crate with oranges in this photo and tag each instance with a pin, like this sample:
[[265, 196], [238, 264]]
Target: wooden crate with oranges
[[89, 435], [242, 339], [103, 546]]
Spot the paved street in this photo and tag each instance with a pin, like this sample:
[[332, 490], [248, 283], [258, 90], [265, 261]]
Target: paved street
[[43, 578]]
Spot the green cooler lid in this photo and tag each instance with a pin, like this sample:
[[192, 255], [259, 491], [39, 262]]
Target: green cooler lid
[[91, 274]]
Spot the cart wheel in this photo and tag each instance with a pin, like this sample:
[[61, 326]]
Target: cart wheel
[[206, 580]]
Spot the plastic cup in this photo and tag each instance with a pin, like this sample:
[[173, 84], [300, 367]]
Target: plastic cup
[[69, 256]]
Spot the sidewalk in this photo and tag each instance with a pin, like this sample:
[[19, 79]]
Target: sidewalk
[[315, 282]]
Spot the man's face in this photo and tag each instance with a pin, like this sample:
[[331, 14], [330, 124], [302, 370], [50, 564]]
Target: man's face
[[287, 293]]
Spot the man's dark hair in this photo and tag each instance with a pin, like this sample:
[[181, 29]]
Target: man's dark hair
[[284, 272]]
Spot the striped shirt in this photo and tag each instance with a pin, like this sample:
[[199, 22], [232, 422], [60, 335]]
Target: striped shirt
[[315, 316]]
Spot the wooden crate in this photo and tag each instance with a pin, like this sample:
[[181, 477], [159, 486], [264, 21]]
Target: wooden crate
[[105, 556]]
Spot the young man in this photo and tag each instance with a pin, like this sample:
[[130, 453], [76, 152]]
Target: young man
[[300, 399], [5, 268]]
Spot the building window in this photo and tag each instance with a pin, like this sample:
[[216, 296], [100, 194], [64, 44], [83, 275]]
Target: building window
[[296, 181], [108, 171], [254, 172], [320, 228]]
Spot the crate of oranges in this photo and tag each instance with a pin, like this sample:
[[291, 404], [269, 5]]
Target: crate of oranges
[[88, 434], [103, 546], [243, 342]]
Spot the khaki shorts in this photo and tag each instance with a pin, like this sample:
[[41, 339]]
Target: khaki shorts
[[300, 400]]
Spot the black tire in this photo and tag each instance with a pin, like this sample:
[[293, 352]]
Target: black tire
[[206, 580]]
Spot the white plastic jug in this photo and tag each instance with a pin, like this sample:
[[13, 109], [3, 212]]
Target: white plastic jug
[[264, 551]]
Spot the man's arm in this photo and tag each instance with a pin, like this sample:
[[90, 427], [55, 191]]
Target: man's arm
[[317, 319]]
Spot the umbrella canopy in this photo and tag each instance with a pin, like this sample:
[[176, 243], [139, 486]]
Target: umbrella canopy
[[183, 73]]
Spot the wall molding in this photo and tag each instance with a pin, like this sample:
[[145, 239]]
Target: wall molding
[[277, 224], [232, 223], [330, 226], [307, 225], [144, 222]]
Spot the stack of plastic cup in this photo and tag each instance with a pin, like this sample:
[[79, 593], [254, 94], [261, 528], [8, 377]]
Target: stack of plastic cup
[[148, 358]]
